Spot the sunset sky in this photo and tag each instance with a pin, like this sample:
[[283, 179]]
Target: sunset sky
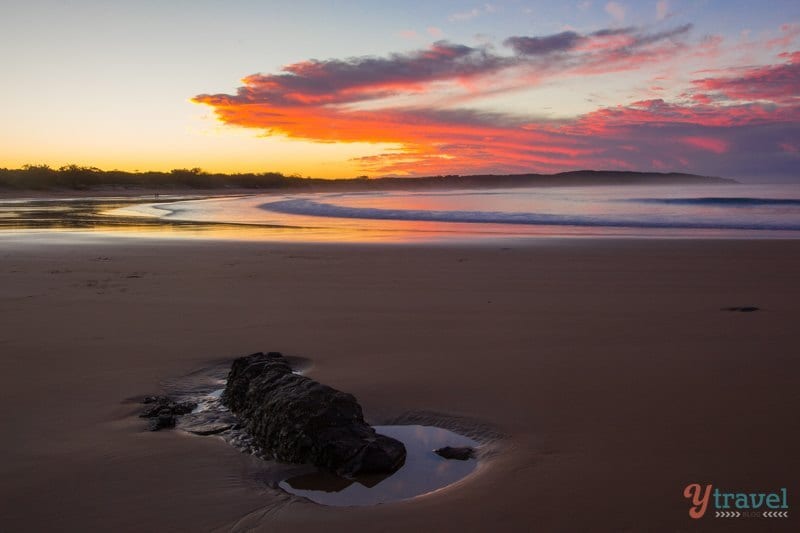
[[339, 89]]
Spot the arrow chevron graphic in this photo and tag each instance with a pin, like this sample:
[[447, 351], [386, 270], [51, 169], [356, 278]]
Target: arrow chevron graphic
[[738, 514]]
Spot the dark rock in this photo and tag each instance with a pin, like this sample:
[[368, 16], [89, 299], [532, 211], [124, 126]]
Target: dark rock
[[162, 410], [324, 481], [746, 309], [210, 428], [462, 454], [330, 482], [207, 423], [161, 421], [298, 420]]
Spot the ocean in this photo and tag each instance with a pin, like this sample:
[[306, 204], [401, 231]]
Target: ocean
[[733, 211]]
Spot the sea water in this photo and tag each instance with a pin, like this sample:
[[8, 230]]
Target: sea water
[[768, 211]]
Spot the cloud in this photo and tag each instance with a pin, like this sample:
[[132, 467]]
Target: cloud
[[645, 39], [621, 39], [788, 35], [613, 32], [410, 101], [617, 11], [337, 81], [659, 112], [470, 14], [774, 83], [361, 79], [711, 144], [662, 9], [464, 15], [435, 32], [559, 42]]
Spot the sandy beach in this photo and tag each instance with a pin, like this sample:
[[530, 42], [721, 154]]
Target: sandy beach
[[403, 267], [607, 365]]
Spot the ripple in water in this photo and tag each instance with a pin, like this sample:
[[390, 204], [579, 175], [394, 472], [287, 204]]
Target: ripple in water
[[423, 472]]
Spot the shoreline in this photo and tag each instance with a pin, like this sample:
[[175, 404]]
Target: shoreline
[[609, 364], [89, 218]]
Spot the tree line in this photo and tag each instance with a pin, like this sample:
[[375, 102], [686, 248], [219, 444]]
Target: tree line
[[76, 177], [43, 177]]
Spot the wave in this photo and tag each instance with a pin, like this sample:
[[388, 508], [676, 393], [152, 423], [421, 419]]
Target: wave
[[724, 201], [319, 209]]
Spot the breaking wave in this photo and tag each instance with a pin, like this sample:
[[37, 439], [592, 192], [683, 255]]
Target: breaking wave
[[319, 209], [722, 201]]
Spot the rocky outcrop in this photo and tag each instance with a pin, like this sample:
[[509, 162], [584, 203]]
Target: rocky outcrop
[[207, 423], [162, 411], [461, 453], [298, 420]]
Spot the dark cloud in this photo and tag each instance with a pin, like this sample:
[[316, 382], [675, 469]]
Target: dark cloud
[[340, 81], [533, 46], [569, 40], [650, 38], [612, 32]]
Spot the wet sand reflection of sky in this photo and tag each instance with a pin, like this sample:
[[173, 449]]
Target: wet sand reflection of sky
[[423, 472]]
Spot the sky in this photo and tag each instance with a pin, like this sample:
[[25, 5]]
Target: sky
[[342, 89]]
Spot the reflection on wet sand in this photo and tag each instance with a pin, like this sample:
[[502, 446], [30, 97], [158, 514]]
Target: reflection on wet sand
[[114, 215], [108, 216], [423, 472], [81, 214]]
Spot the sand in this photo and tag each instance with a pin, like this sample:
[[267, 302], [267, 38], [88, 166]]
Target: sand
[[607, 364]]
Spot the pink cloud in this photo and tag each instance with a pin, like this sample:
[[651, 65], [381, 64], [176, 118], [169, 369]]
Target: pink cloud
[[748, 113], [616, 10], [775, 83], [435, 32], [710, 144], [662, 9], [788, 34]]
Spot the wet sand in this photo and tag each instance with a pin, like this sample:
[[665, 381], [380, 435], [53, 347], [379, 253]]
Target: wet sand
[[607, 364]]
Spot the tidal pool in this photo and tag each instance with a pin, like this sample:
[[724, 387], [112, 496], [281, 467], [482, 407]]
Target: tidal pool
[[423, 472]]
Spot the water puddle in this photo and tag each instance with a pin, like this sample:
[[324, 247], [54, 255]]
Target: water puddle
[[208, 401], [423, 472]]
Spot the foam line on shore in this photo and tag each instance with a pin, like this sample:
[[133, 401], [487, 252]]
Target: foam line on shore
[[307, 207]]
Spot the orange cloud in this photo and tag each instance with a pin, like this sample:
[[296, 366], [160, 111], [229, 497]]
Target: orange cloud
[[407, 99]]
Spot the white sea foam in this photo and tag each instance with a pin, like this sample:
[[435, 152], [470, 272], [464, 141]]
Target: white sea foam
[[728, 210]]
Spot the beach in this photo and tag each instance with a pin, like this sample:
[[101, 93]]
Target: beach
[[402, 267], [607, 368]]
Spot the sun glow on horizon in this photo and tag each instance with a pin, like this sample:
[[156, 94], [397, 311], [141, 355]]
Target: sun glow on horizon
[[646, 86]]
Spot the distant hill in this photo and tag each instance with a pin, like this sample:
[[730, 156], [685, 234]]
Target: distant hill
[[578, 178], [79, 178]]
